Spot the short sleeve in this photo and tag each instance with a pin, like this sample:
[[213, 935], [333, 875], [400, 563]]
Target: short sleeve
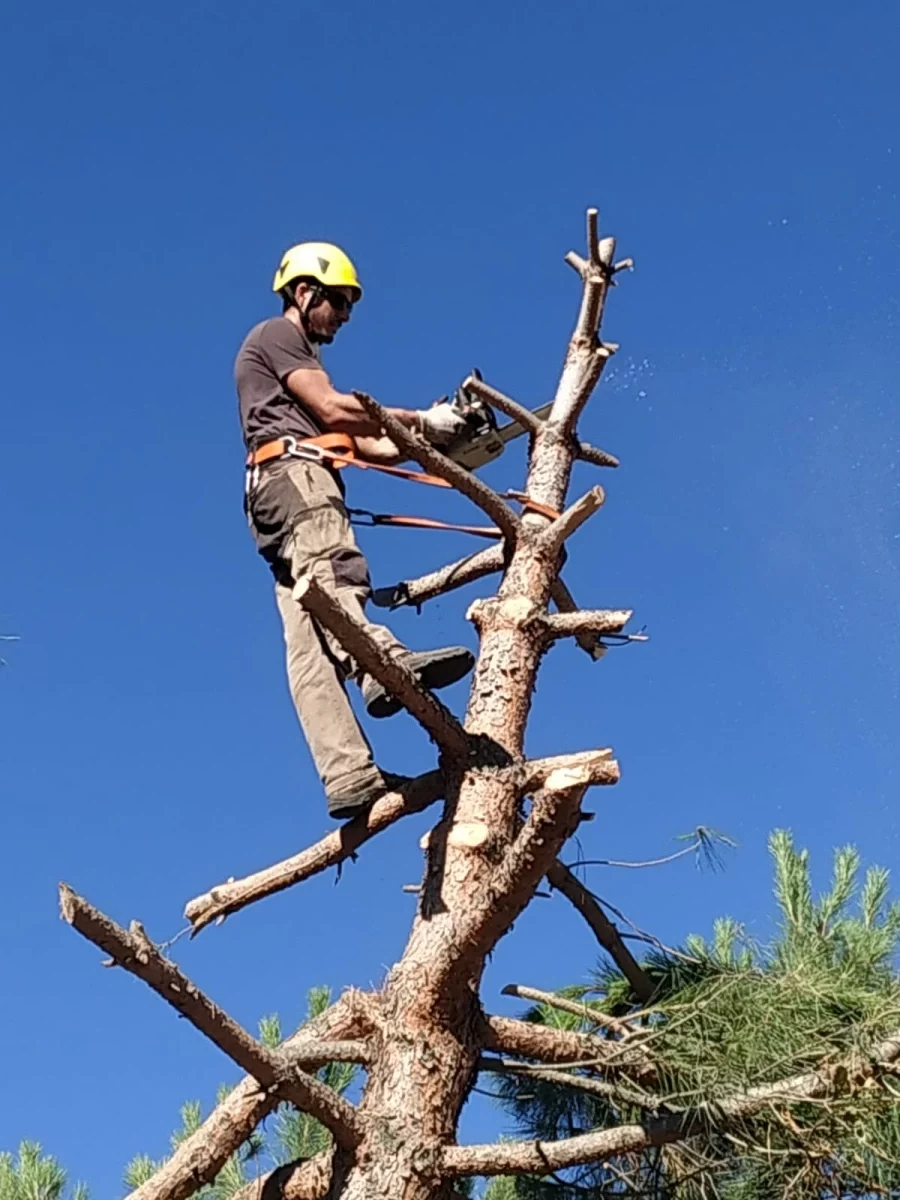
[[286, 349]]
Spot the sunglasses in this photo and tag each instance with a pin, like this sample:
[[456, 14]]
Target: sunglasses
[[338, 301]]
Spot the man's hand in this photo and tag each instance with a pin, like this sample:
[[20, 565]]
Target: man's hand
[[441, 423]]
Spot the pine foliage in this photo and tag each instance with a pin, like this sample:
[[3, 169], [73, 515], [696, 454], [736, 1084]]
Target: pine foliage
[[32, 1175], [730, 1015]]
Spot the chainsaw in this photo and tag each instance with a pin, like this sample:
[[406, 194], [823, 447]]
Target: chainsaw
[[483, 439]]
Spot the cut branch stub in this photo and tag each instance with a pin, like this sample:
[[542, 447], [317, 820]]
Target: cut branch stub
[[134, 951], [586, 621], [555, 535]]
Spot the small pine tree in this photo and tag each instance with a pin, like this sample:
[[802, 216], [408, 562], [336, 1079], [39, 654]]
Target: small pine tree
[[729, 1015], [33, 1175]]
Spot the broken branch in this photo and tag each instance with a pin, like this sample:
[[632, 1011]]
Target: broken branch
[[586, 621], [399, 680], [134, 951], [592, 454], [554, 536]]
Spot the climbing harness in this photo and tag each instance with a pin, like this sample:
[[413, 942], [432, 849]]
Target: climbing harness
[[338, 450]]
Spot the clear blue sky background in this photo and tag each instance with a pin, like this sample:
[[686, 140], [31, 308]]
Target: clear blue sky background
[[157, 159]]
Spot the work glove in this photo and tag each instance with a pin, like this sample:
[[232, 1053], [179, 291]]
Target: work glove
[[441, 423]]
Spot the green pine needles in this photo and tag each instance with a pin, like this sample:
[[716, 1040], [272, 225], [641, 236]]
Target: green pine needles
[[730, 1015], [33, 1175]]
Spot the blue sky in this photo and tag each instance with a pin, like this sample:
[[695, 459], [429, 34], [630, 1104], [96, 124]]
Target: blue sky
[[157, 160]]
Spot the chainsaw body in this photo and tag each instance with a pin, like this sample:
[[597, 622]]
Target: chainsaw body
[[483, 439], [480, 442]]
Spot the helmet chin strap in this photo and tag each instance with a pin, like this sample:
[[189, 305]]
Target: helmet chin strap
[[314, 299]]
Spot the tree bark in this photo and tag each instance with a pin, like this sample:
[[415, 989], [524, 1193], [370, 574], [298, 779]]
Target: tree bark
[[503, 823]]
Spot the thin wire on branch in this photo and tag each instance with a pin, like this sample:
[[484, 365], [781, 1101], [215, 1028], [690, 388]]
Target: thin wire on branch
[[703, 847], [586, 903]]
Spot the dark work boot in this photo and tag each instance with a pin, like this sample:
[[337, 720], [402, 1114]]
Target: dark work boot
[[435, 669], [347, 805]]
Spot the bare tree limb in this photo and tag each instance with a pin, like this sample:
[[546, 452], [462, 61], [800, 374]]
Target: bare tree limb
[[584, 1083], [134, 951], [553, 818], [432, 461], [445, 579], [505, 1035], [554, 536], [587, 621], [512, 408], [342, 843], [515, 1158], [530, 423], [399, 680], [332, 850], [561, 878], [199, 1158], [584, 1011], [596, 456]]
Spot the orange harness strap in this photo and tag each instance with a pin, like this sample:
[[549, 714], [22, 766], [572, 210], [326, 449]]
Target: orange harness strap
[[339, 449]]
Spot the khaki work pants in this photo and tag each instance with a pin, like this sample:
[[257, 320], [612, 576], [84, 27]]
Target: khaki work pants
[[298, 518]]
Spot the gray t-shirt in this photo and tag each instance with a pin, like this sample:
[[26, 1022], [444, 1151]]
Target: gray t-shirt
[[271, 350]]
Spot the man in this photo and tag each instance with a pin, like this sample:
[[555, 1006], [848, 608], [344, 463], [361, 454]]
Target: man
[[296, 513]]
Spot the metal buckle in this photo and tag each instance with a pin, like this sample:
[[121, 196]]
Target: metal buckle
[[307, 451]]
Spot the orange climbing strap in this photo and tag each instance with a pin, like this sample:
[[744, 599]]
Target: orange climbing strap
[[339, 451], [363, 516]]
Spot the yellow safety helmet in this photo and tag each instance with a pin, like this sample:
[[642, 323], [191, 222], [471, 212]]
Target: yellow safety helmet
[[317, 260]]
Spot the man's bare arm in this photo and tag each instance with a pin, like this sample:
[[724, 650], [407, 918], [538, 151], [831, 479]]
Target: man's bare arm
[[341, 411]]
